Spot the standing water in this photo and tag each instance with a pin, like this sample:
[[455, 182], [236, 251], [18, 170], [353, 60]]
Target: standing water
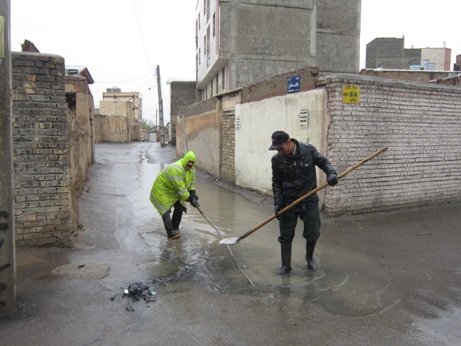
[[345, 284]]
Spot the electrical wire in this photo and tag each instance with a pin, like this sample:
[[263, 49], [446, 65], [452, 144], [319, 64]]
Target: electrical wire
[[142, 37]]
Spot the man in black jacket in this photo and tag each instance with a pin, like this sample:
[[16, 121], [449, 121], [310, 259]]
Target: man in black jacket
[[293, 175]]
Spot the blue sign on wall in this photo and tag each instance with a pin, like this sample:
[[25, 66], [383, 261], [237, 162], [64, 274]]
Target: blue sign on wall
[[294, 84]]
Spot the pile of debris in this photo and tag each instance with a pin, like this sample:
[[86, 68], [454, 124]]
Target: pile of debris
[[138, 290]]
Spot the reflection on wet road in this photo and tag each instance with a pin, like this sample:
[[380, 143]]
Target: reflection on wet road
[[346, 284]]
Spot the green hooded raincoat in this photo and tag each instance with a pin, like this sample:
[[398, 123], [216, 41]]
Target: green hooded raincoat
[[172, 184]]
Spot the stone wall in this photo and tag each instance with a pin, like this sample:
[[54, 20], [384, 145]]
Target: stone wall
[[112, 129], [40, 145], [80, 117]]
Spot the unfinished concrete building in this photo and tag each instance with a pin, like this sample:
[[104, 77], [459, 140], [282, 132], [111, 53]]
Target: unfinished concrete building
[[389, 53], [241, 42]]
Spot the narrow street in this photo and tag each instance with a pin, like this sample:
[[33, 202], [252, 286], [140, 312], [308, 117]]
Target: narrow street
[[385, 278]]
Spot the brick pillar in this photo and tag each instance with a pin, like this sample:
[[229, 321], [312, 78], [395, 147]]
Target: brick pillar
[[40, 143]]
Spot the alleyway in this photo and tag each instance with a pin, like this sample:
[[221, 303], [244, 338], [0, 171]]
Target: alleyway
[[385, 279]]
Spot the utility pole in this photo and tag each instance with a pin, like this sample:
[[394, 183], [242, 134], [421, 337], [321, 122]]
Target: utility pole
[[160, 108], [7, 246]]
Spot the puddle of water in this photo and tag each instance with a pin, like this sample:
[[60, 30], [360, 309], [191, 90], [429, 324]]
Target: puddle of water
[[346, 284]]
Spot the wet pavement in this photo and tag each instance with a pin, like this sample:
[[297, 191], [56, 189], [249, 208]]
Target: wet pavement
[[385, 278]]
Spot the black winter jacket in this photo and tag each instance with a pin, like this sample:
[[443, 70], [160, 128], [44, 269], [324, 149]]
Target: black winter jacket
[[294, 176]]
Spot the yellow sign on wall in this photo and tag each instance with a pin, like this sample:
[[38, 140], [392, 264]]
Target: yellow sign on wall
[[351, 94]]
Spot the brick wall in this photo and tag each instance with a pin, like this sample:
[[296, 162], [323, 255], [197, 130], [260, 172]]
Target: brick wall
[[409, 75], [228, 147], [40, 150], [419, 123], [278, 85]]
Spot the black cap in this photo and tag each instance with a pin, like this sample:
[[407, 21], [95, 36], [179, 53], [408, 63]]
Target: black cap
[[278, 138]]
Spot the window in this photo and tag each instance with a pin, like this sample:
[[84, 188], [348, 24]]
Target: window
[[223, 79], [208, 40], [214, 24], [196, 34]]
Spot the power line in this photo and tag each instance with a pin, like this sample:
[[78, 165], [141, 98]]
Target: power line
[[122, 81], [142, 36]]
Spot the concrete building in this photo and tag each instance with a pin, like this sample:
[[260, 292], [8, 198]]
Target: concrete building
[[120, 116], [389, 53], [457, 64], [115, 97], [242, 42], [182, 95]]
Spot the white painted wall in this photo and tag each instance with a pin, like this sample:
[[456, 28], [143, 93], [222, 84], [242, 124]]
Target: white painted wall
[[258, 120]]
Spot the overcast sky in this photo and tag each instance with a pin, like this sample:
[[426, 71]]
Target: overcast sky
[[121, 42]]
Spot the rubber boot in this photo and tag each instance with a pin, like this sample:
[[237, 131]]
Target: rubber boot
[[310, 247], [177, 216], [172, 233], [286, 258]]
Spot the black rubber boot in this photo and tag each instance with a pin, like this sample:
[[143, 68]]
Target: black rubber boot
[[177, 215], [310, 247], [172, 233], [286, 259]]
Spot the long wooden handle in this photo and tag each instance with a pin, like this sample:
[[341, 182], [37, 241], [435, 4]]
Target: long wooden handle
[[310, 193]]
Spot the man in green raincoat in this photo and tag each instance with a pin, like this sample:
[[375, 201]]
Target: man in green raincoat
[[173, 187]]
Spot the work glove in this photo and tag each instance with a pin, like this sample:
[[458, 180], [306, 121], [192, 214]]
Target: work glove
[[277, 209], [193, 199], [193, 193], [194, 203], [332, 179]]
